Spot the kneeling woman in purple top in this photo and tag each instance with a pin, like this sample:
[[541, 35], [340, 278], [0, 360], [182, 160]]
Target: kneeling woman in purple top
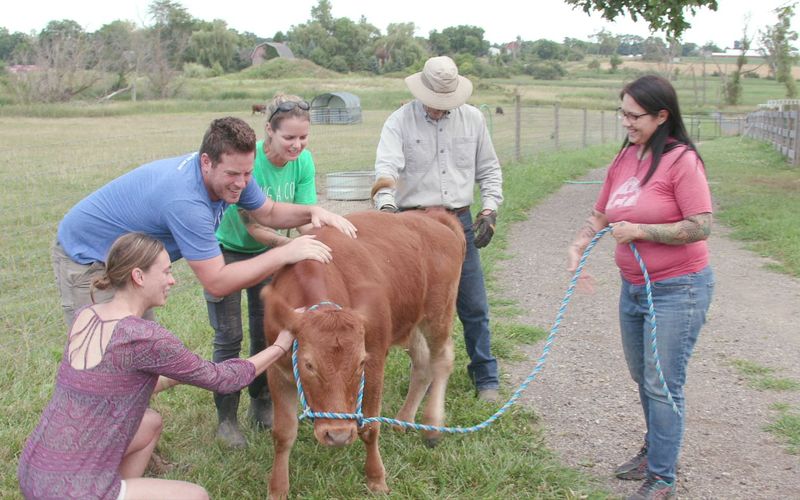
[[96, 435]]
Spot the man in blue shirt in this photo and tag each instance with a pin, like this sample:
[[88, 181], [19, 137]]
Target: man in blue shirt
[[180, 201]]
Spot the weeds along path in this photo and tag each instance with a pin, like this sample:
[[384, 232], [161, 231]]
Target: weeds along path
[[588, 403]]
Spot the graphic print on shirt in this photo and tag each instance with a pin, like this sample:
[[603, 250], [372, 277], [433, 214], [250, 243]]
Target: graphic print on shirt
[[626, 195], [284, 193]]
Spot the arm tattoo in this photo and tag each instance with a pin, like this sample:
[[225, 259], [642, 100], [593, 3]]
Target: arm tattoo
[[244, 215], [693, 228], [588, 230]]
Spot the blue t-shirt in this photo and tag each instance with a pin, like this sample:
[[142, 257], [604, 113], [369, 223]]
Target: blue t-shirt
[[166, 199]]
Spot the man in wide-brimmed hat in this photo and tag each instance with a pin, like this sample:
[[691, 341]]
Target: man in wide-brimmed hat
[[431, 152]]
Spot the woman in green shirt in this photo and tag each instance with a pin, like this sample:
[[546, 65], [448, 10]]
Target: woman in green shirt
[[284, 169]]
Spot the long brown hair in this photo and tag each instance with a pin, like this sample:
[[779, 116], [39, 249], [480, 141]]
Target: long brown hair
[[128, 252], [654, 93]]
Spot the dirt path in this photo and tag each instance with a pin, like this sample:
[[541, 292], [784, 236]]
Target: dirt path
[[585, 397]]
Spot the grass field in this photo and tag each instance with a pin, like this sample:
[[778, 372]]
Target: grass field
[[51, 163]]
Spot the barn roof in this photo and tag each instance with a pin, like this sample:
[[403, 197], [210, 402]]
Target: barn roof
[[281, 48]]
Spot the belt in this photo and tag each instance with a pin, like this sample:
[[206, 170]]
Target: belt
[[457, 211]]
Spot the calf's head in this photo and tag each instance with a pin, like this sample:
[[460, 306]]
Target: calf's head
[[331, 357]]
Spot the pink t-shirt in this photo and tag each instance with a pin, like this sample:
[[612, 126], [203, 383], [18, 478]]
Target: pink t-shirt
[[678, 189]]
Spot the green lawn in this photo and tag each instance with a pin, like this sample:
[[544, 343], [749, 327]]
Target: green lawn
[[56, 158]]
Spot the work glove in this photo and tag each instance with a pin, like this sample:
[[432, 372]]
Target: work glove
[[388, 207], [483, 227]]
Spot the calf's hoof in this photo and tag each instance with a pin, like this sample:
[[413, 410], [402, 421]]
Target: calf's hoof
[[378, 486], [432, 441]]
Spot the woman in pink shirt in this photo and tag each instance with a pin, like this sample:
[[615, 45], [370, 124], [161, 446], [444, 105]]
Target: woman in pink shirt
[[96, 435], [656, 195]]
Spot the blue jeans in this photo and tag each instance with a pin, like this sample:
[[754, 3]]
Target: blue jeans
[[225, 316], [681, 304], [472, 307]]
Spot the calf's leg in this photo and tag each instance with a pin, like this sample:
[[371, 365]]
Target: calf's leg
[[420, 378], [284, 429], [370, 433], [440, 344]]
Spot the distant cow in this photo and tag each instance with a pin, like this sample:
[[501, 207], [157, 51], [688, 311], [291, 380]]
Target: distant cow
[[499, 110], [259, 108], [395, 285]]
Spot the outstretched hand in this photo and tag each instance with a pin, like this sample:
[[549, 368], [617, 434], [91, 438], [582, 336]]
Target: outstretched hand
[[307, 247], [321, 217]]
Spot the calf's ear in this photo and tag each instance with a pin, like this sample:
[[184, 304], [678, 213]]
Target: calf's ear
[[278, 315]]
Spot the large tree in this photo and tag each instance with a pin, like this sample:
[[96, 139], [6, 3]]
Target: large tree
[[666, 15], [339, 44], [777, 48], [65, 57], [462, 39]]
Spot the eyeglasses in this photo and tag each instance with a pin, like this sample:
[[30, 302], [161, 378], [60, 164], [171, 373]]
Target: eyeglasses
[[288, 106], [632, 117]]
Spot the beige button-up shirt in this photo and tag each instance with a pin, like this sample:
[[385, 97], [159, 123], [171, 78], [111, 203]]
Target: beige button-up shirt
[[437, 163]]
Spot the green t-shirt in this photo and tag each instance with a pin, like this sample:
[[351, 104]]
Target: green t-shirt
[[292, 183]]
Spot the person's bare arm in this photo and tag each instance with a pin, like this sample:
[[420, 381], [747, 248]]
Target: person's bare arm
[[282, 346], [262, 234], [693, 228], [591, 226], [222, 279], [287, 215]]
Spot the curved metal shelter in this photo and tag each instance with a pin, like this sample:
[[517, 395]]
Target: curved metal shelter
[[336, 108]]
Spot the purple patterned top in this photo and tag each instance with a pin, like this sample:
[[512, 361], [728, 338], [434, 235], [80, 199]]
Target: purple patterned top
[[76, 449]]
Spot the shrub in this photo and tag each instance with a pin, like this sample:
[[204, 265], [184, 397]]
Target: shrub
[[545, 70]]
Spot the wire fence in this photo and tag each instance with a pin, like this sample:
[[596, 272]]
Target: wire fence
[[49, 165]]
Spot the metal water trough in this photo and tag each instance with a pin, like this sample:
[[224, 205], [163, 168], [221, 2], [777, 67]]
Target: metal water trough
[[350, 185]]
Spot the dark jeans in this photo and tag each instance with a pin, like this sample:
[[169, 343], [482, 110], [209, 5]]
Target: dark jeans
[[472, 307], [225, 316]]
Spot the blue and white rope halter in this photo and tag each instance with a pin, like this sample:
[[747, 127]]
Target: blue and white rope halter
[[358, 416]]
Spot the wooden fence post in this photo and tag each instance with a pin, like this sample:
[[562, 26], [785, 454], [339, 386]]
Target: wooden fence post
[[602, 126], [585, 127], [795, 143], [556, 125], [517, 125]]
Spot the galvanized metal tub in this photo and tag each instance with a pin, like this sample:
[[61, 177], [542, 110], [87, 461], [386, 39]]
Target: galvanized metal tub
[[350, 185]]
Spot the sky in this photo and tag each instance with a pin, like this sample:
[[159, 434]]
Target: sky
[[502, 20]]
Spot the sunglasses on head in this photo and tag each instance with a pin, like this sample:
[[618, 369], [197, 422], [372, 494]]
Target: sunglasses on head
[[288, 106]]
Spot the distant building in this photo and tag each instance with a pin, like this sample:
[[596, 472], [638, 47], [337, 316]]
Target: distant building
[[22, 68], [736, 53], [270, 50]]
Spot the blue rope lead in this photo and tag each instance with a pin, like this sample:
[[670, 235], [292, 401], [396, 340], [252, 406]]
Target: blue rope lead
[[651, 312], [359, 417]]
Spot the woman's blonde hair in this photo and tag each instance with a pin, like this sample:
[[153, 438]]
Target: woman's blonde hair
[[277, 116], [128, 252]]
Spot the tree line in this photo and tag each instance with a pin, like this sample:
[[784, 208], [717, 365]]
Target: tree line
[[68, 61]]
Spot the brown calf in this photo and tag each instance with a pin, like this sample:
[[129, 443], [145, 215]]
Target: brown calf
[[259, 108], [396, 285]]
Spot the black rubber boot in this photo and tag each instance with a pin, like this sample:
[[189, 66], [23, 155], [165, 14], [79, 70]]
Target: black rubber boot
[[260, 411], [228, 431]]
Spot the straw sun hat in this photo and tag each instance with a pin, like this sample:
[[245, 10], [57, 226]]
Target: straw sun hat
[[439, 85]]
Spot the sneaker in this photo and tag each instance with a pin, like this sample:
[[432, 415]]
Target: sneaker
[[654, 488], [634, 469]]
